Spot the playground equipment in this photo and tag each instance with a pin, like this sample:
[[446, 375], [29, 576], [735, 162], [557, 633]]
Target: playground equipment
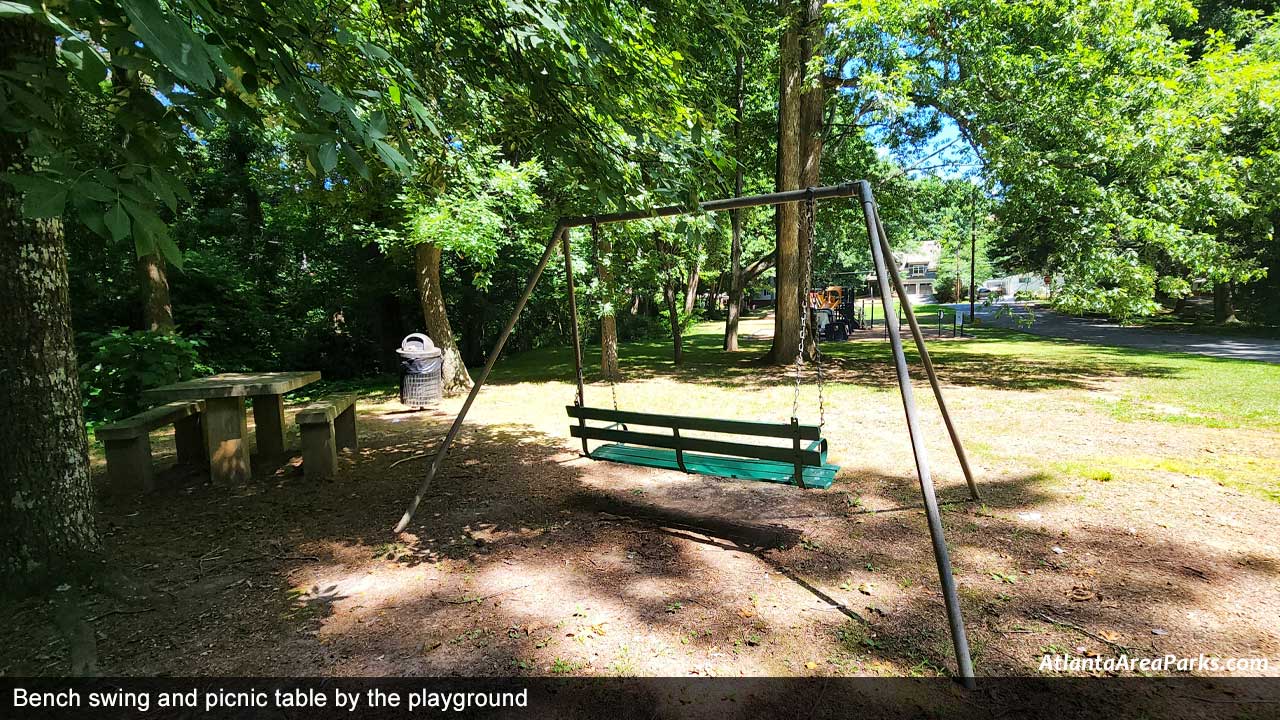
[[805, 466]]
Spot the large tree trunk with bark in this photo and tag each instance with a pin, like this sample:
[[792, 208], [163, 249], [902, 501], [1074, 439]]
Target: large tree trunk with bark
[[47, 512], [786, 318], [427, 266], [609, 318], [153, 281], [734, 303]]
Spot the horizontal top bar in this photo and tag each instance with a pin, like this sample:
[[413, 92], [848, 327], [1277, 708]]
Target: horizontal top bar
[[818, 193]]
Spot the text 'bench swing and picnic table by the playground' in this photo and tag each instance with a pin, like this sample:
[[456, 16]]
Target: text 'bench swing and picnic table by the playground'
[[802, 462]]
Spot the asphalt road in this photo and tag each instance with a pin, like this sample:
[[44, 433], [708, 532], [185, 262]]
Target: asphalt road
[[1099, 332]]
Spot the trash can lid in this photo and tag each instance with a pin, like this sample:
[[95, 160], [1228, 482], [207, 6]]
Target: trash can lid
[[419, 354], [416, 346]]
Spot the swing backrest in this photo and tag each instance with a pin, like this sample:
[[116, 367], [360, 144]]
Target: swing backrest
[[812, 454]]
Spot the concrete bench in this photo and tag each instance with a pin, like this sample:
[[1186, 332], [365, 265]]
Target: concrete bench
[[326, 425], [129, 447]]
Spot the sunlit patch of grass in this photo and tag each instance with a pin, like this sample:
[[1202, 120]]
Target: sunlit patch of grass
[[1257, 476], [1086, 470]]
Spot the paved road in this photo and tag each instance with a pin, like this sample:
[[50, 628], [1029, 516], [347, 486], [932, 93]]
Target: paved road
[[1098, 332]]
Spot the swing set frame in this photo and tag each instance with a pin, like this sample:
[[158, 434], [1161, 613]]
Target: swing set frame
[[888, 282]]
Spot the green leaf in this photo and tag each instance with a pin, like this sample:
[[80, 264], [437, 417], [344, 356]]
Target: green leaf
[[420, 111], [117, 221], [356, 161], [169, 248], [394, 93], [94, 191], [160, 185], [171, 41], [91, 214], [14, 9], [391, 157], [328, 154], [46, 199]]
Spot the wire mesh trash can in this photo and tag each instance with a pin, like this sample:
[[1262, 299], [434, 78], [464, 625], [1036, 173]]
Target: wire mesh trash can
[[421, 371]]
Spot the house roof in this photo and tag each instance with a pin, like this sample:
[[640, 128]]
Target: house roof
[[928, 254]]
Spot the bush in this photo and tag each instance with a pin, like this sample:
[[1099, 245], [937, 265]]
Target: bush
[[122, 363]]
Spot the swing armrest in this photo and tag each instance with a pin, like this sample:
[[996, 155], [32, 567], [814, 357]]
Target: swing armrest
[[819, 446]]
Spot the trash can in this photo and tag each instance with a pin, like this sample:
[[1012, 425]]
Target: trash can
[[421, 371]]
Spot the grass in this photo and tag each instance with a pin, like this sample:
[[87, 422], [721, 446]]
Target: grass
[[1001, 385]]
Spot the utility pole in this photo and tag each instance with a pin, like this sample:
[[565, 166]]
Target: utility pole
[[973, 250]]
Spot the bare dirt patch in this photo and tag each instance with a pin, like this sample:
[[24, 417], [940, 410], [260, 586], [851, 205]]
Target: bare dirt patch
[[528, 559]]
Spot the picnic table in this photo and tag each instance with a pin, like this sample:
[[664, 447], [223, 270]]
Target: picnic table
[[226, 424]]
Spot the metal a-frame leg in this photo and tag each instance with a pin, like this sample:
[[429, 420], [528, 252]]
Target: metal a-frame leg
[[579, 399], [883, 240], [940, 554], [438, 459]]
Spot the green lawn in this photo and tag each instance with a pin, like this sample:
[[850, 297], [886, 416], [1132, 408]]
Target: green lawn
[[1149, 385], [1049, 407]]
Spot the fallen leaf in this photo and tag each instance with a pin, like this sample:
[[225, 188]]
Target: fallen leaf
[[1109, 636], [746, 612], [866, 588], [811, 665], [600, 628]]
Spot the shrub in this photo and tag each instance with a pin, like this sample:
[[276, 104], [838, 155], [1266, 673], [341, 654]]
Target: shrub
[[121, 364]]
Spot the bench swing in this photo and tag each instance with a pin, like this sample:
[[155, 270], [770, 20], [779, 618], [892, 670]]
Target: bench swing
[[802, 463], [804, 466]]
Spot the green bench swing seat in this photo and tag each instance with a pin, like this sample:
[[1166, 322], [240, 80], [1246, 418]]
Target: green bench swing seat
[[705, 456]]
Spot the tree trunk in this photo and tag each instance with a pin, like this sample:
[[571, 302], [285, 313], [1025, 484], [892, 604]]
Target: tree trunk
[[691, 288], [733, 307], [608, 318], [673, 310], [157, 308], [47, 515], [670, 293], [1224, 306], [786, 317], [812, 129], [427, 265], [153, 276]]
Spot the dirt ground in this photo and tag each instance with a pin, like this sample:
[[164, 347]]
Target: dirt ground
[[527, 559]]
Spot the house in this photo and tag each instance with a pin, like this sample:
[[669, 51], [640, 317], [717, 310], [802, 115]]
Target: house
[[1013, 284], [918, 269]]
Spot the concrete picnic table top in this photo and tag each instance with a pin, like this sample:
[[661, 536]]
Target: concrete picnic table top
[[224, 422], [227, 385]]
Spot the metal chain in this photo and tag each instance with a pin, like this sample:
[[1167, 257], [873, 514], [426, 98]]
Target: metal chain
[[812, 230], [805, 278]]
